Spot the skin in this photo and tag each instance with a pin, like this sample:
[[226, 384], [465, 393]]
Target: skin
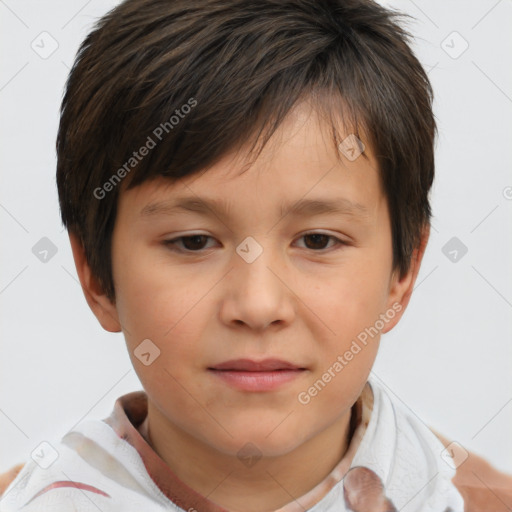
[[301, 300], [7, 477]]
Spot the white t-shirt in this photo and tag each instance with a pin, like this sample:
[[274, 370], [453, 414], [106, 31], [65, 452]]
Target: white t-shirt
[[107, 465]]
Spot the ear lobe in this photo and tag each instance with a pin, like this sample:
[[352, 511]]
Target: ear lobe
[[104, 310], [401, 288]]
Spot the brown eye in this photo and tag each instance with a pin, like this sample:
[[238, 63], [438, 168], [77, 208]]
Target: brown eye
[[196, 243], [192, 243], [318, 241]]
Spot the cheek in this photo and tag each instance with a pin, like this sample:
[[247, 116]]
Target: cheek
[[349, 305], [167, 311], [352, 299], [170, 316], [156, 298]]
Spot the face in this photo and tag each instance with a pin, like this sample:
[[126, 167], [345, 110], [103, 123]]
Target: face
[[263, 309]]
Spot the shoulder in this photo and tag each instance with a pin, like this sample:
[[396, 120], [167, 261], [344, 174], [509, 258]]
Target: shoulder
[[34, 488], [55, 475], [7, 477], [89, 469], [482, 486], [399, 448]]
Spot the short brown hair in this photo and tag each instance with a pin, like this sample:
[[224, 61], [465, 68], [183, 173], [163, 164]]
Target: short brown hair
[[239, 67]]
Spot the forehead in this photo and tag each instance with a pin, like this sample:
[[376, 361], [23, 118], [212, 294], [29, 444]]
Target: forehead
[[299, 171]]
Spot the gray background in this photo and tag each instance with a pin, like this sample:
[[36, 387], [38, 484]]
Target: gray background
[[450, 358]]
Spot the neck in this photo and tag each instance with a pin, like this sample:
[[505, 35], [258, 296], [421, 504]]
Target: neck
[[267, 484]]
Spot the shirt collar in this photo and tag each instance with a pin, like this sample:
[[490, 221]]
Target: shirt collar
[[130, 411]]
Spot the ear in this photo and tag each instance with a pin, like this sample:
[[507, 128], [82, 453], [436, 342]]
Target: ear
[[400, 289], [104, 310]]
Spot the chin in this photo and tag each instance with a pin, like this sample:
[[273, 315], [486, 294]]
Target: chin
[[264, 442]]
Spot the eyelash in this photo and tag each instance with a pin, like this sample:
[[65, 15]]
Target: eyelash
[[174, 242]]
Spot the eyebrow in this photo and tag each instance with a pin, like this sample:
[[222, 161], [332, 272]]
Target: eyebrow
[[302, 208]]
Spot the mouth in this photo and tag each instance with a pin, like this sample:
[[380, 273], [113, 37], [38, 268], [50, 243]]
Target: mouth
[[250, 375], [248, 365]]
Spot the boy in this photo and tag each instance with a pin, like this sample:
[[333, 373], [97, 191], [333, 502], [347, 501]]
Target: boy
[[251, 126]]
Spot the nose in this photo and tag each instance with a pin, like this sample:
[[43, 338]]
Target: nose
[[257, 293]]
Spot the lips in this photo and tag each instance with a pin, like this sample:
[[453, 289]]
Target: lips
[[256, 376], [248, 365]]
